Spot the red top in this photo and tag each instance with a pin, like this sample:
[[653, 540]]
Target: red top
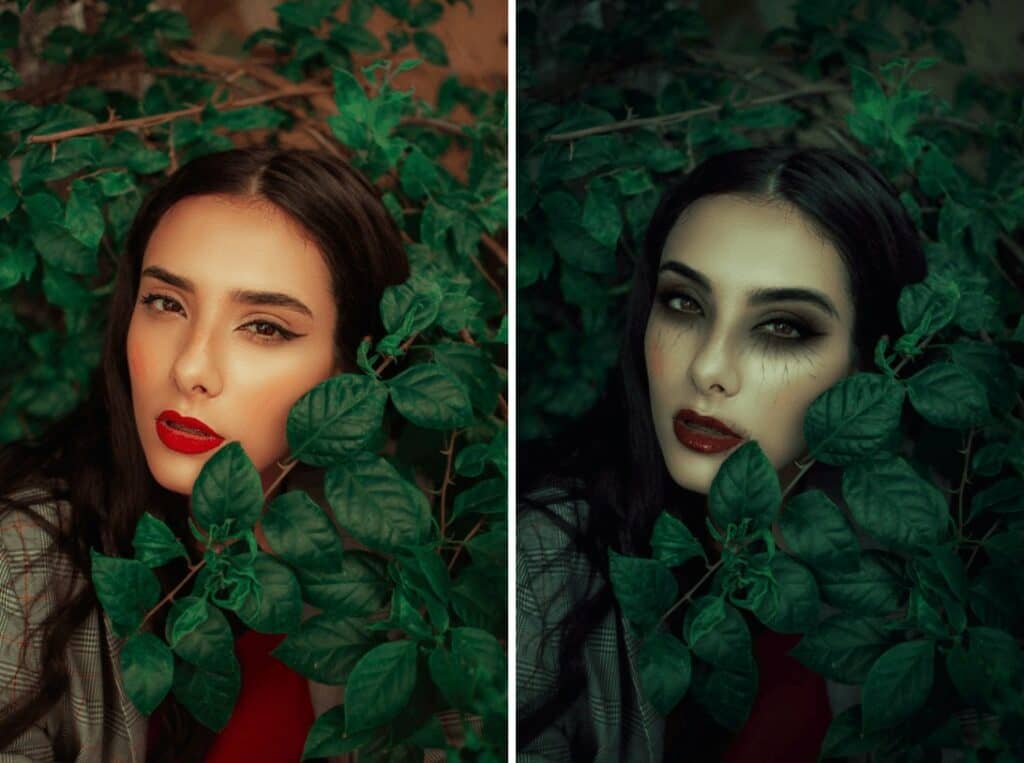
[[274, 712], [791, 712]]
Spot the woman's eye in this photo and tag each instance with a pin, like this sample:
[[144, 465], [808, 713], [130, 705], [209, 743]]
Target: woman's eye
[[162, 304], [786, 330], [680, 303], [266, 330]]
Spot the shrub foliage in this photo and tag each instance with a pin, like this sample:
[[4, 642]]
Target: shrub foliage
[[912, 590], [413, 623]]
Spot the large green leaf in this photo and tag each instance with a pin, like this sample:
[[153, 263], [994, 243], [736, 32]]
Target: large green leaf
[[228, 493], [898, 684], [718, 634], [854, 419], [665, 666], [125, 587], [210, 696], [278, 606], [335, 419], [200, 634], [380, 509], [154, 542], [876, 587], [147, 668], [746, 487], [787, 601], [358, 587], [380, 685], [430, 396], [816, 531], [844, 647], [672, 541], [948, 396], [326, 647], [327, 737], [644, 588], [891, 502], [301, 533]]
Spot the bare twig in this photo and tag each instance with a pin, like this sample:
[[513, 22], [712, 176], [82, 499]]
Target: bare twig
[[495, 248], [682, 116], [686, 596], [976, 549], [404, 347], [963, 484]]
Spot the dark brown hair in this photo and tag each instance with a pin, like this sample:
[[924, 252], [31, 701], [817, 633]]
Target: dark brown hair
[[93, 459]]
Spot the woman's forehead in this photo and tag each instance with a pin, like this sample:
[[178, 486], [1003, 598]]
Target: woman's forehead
[[739, 244]]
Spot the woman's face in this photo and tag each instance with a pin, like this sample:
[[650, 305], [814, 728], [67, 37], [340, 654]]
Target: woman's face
[[233, 323], [752, 320]]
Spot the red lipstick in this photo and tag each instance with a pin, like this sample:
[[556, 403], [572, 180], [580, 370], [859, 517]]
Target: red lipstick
[[185, 434], [703, 434]]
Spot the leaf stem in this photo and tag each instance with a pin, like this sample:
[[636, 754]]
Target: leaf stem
[[963, 484], [792, 483], [687, 596], [449, 453], [404, 347], [192, 570], [976, 549], [472, 533]]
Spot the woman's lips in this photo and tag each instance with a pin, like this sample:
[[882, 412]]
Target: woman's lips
[[703, 434], [185, 434]]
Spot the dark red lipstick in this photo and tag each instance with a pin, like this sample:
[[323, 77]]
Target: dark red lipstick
[[704, 434], [185, 434]]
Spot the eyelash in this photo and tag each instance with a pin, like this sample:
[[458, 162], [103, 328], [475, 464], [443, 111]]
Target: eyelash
[[282, 334], [805, 332]]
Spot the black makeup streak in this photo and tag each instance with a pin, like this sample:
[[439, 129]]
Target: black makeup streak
[[242, 296]]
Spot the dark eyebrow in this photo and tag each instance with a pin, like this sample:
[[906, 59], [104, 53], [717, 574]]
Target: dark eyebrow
[[758, 296], [274, 298]]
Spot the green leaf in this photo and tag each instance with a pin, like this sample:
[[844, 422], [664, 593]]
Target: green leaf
[[746, 487], [489, 496], [473, 367], [335, 419], [400, 515], [425, 13], [601, 216], [155, 543], [718, 634], [991, 365], [410, 307], [845, 736], [867, 93], [672, 542], [844, 647], [928, 306], [948, 396], [9, 78], [257, 117], [786, 601], [306, 13], [644, 588], [199, 633], [873, 488], [430, 47], [83, 216], [665, 666], [815, 530], [126, 588], [147, 669], [380, 685], [1004, 497], [359, 587], [64, 290], [53, 242], [208, 695], [355, 38], [278, 608], [419, 177], [854, 419], [327, 737], [430, 396], [728, 696], [632, 182], [302, 534], [115, 183], [326, 647], [228, 492], [877, 587], [9, 198], [898, 684], [991, 659], [16, 264]]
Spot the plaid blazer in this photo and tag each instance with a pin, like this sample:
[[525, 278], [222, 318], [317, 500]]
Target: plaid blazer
[[551, 576], [94, 720]]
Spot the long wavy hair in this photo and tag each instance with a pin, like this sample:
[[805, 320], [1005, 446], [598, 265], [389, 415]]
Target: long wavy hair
[[854, 208], [93, 459]]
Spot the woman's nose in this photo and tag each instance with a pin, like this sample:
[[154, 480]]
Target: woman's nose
[[714, 367], [196, 368]]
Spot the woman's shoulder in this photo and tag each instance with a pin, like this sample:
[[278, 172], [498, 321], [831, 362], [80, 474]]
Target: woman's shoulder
[[550, 517], [31, 574]]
